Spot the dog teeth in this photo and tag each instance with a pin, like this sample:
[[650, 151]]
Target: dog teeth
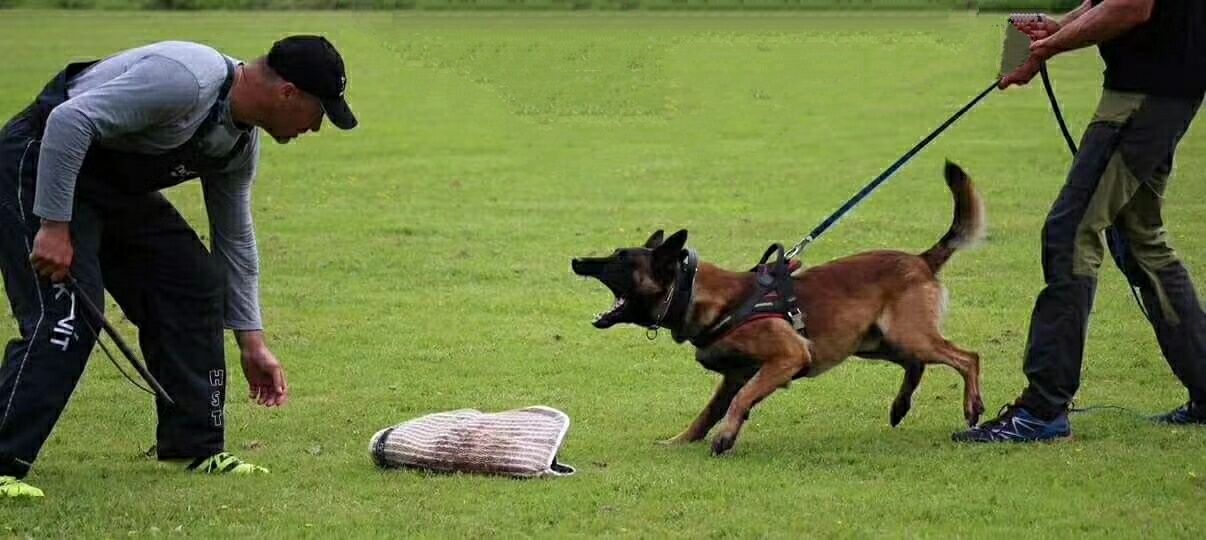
[[614, 308]]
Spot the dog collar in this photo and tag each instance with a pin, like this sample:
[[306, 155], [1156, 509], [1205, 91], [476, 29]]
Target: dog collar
[[680, 299]]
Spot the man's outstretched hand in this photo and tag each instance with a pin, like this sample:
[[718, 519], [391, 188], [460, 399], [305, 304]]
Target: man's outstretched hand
[[266, 382]]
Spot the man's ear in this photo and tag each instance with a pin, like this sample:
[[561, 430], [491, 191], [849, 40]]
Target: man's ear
[[288, 90], [655, 239]]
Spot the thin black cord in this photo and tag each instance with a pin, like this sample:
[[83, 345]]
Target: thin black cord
[[109, 354]]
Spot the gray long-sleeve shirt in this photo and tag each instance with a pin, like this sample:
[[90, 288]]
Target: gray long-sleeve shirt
[[150, 100]]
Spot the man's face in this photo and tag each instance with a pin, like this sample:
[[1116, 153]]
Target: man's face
[[295, 112]]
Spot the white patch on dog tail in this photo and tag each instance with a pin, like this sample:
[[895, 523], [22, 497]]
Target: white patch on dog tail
[[970, 223]]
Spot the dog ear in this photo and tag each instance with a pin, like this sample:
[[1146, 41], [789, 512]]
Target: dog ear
[[673, 245], [667, 256], [655, 239]]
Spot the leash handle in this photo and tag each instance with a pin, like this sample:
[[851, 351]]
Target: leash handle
[[858, 198]]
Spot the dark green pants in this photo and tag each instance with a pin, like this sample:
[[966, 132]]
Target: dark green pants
[[1117, 179]]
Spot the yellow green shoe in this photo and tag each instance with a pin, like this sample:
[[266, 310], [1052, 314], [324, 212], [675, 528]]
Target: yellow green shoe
[[14, 487], [224, 463]]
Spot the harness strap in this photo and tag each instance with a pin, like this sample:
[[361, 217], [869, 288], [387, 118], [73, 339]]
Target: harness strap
[[774, 297]]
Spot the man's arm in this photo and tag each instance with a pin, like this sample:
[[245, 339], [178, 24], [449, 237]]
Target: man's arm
[[152, 91], [1091, 26], [228, 204], [1104, 22], [232, 239], [1042, 26]]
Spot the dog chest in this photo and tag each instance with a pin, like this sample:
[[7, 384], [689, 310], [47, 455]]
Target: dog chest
[[724, 361]]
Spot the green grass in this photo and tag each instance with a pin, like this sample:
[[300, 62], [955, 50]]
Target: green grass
[[546, 5], [421, 264]]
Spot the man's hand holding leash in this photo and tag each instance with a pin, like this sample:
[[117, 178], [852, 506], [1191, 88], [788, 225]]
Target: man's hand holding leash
[[1085, 26], [53, 252]]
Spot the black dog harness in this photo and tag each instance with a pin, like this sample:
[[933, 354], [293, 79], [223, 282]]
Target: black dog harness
[[773, 297]]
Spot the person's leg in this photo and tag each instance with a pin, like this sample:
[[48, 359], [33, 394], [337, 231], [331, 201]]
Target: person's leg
[[1102, 182], [1098, 186], [1152, 266], [45, 361], [169, 286]]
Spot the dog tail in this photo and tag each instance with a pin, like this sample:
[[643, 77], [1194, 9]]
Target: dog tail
[[969, 225]]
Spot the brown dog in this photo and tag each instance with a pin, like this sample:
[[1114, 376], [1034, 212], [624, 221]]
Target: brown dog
[[882, 304]]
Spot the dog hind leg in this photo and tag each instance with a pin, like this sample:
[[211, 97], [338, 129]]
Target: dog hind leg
[[914, 332], [930, 349], [908, 386]]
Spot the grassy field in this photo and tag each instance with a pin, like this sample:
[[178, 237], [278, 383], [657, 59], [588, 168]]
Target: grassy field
[[421, 264], [548, 5]]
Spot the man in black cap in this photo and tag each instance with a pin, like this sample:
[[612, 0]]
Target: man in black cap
[[80, 213]]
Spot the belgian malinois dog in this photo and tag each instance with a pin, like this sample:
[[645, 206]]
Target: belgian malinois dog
[[885, 305]]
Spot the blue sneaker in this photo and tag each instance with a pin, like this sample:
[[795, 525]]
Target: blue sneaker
[[1017, 424], [1188, 414]]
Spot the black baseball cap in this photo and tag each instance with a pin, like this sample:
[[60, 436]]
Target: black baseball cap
[[312, 64]]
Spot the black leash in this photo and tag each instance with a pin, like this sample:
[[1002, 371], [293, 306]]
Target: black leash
[[1082, 410], [1112, 235], [1059, 115], [113, 361], [858, 198], [125, 349]]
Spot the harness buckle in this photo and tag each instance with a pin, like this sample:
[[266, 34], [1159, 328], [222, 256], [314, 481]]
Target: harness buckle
[[797, 318]]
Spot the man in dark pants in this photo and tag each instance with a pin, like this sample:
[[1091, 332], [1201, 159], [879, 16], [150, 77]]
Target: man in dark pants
[[80, 174], [1155, 56]]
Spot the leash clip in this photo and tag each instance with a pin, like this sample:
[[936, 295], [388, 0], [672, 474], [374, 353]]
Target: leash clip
[[651, 333]]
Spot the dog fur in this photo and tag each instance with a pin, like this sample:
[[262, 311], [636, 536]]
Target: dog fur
[[886, 305]]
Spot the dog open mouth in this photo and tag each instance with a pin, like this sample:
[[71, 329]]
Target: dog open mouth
[[602, 270], [609, 318]]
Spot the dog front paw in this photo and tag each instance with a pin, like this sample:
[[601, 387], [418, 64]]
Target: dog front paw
[[723, 443]]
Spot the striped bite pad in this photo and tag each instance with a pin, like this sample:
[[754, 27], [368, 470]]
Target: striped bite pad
[[522, 443]]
